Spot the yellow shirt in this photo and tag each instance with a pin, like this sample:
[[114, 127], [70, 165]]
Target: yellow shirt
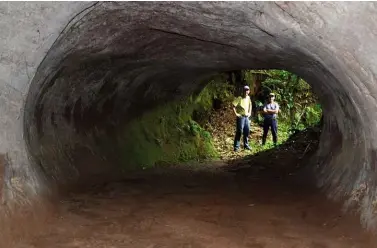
[[242, 105]]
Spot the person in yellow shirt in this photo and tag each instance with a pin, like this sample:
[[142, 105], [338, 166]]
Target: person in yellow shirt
[[242, 108]]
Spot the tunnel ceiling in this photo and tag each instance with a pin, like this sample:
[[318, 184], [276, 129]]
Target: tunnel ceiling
[[115, 60]]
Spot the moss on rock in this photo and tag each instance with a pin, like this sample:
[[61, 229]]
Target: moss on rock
[[167, 135]]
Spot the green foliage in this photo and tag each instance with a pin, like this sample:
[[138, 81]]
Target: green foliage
[[313, 115], [216, 89], [168, 134], [298, 104], [283, 136], [249, 78]]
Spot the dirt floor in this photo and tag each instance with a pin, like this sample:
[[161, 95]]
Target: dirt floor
[[215, 206]]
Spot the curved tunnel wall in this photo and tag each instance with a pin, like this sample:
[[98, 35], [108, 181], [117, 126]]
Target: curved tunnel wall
[[115, 60]]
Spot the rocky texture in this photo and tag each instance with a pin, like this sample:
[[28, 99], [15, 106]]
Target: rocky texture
[[102, 64]]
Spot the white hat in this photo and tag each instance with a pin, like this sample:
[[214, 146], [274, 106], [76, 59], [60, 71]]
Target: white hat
[[246, 87]]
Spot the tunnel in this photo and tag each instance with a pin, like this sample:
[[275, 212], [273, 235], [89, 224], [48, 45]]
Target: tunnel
[[109, 62]]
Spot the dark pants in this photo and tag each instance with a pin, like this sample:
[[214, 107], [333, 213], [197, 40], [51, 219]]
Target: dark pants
[[274, 130], [243, 128]]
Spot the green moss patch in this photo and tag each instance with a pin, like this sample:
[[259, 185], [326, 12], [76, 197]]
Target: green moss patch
[[168, 134]]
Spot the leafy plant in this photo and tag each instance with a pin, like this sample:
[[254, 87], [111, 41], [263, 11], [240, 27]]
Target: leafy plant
[[299, 106]]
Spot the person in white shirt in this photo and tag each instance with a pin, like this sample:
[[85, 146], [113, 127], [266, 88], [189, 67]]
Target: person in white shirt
[[270, 111]]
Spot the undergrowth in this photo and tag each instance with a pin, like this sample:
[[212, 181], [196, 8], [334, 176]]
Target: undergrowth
[[195, 129], [170, 134]]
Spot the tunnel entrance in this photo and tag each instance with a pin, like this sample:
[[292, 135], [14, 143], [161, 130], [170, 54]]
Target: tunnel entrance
[[299, 109], [114, 62]]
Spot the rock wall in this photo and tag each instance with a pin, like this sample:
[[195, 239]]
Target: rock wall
[[74, 72]]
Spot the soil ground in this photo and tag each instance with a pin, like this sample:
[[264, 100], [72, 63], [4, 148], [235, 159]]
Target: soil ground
[[254, 201], [209, 207]]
